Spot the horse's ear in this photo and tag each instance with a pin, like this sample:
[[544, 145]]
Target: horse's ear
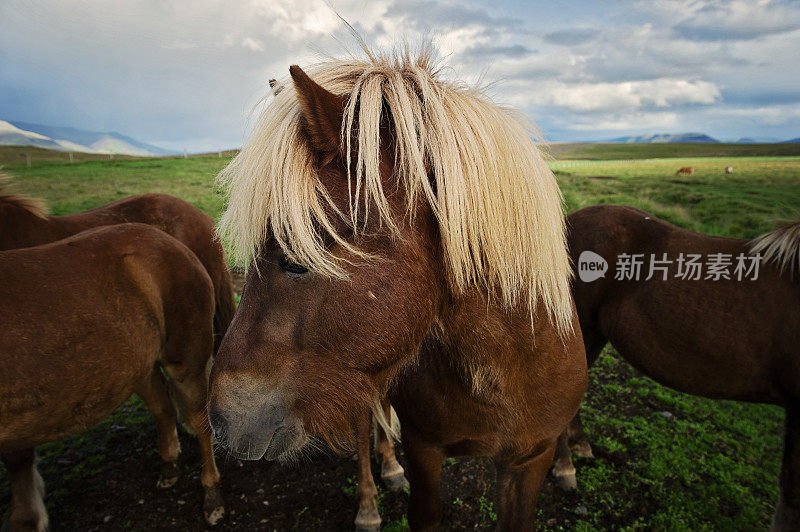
[[323, 112]]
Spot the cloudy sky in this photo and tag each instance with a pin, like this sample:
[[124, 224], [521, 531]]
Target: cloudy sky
[[186, 74]]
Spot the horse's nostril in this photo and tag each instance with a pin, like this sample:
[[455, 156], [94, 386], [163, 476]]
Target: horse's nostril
[[219, 425]]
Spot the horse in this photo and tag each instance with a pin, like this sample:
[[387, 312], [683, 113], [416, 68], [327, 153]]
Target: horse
[[728, 170], [717, 333], [404, 235], [86, 322], [25, 223], [687, 170]]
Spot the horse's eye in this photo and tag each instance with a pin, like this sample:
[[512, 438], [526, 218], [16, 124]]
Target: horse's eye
[[291, 267]]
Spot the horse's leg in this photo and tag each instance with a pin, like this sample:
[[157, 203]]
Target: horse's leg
[[787, 514], [392, 472], [578, 442], [573, 439], [563, 468], [368, 518], [192, 395], [155, 394], [424, 462], [27, 510], [518, 487]]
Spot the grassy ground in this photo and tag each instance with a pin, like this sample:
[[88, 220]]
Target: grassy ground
[[709, 465], [597, 150]]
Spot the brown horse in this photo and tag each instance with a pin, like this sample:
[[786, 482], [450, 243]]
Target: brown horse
[[24, 223], [406, 234], [687, 170], [86, 322], [728, 336]]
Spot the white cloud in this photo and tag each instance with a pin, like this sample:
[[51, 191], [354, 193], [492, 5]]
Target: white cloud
[[253, 44], [727, 19], [630, 121], [632, 95]]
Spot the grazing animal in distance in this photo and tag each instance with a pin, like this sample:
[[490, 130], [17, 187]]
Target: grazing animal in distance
[[404, 235], [687, 170], [729, 170], [722, 338], [84, 323], [24, 223]]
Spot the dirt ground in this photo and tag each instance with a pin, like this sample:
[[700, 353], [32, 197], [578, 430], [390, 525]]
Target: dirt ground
[[107, 481]]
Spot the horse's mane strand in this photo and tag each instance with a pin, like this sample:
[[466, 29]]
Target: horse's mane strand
[[497, 203], [35, 206], [781, 247]]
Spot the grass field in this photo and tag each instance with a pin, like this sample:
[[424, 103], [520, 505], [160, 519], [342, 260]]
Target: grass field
[[711, 465]]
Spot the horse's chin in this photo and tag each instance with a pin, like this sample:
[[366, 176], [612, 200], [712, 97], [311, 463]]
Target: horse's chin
[[286, 444]]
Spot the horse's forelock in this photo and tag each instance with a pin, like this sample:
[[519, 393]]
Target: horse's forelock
[[497, 203]]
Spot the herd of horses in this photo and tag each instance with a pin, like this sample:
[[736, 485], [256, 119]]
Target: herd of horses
[[406, 247]]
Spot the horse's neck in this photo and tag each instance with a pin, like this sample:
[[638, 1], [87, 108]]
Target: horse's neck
[[485, 345], [21, 228]]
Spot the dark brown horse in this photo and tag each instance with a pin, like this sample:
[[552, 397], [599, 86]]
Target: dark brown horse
[[24, 223], [405, 234], [84, 323], [726, 331]]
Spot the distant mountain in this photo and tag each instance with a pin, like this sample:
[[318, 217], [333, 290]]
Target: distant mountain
[[752, 140], [666, 138], [71, 139], [790, 140]]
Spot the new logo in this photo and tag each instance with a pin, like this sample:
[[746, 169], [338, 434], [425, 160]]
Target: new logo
[[591, 266]]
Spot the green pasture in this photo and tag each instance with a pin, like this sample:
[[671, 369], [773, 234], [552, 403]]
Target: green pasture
[[706, 465]]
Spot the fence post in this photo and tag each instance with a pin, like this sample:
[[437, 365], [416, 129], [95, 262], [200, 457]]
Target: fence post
[[28, 160], [70, 157]]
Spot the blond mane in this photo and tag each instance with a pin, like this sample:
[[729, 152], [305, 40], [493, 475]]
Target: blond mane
[[781, 246], [497, 203], [35, 206]]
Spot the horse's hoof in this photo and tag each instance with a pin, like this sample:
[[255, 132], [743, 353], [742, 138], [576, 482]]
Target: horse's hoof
[[582, 450], [213, 506], [368, 520], [396, 482], [567, 482], [169, 475]]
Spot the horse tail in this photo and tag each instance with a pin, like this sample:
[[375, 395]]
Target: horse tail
[[781, 246], [225, 307]]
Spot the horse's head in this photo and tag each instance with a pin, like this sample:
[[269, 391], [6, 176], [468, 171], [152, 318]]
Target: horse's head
[[366, 199], [309, 350]]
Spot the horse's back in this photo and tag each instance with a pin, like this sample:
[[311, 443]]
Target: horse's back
[[85, 319], [725, 338]]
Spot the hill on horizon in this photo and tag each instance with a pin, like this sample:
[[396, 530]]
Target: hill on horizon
[[14, 133], [657, 138]]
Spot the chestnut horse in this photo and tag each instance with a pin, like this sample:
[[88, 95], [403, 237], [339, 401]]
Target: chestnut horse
[[404, 233], [88, 321], [725, 338], [688, 170], [24, 223]]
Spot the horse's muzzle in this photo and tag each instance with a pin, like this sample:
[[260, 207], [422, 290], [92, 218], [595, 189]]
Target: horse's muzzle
[[270, 431]]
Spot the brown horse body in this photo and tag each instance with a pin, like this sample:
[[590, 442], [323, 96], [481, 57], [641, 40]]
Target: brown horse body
[[727, 338], [469, 372], [688, 170], [24, 224], [88, 321]]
